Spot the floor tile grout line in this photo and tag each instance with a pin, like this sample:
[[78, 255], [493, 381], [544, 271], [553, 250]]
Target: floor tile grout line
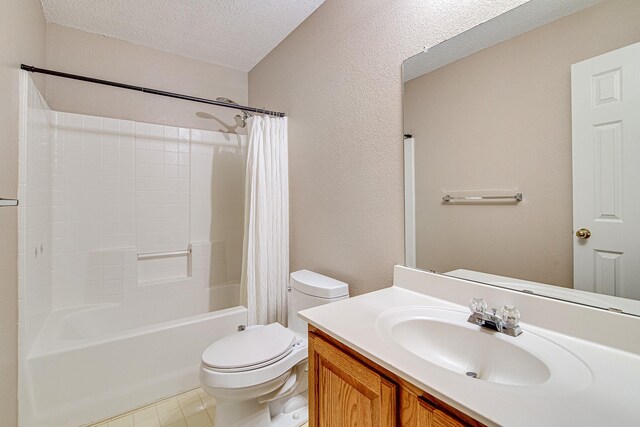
[[181, 411], [208, 415]]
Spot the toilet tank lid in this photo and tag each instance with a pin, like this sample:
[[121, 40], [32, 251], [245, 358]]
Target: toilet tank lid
[[317, 285]]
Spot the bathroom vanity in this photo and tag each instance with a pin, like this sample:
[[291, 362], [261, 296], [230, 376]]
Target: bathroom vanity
[[344, 379], [402, 356]]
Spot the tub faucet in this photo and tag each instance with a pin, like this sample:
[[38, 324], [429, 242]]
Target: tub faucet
[[506, 322]]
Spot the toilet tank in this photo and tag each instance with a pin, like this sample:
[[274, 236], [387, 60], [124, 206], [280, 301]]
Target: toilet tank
[[309, 289]]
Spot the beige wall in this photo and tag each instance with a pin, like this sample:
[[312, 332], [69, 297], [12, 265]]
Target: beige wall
[[502, 119], [22, 39], [78, 52], [337, 76]]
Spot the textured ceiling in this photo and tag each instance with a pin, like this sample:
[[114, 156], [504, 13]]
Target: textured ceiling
[[526, 17], [232, 33]]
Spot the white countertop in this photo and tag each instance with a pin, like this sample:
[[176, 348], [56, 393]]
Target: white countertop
[[609, 398]]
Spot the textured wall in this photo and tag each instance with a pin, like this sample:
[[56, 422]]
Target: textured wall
[[526, 138], [91, 55], [22, 38], [338, 78]]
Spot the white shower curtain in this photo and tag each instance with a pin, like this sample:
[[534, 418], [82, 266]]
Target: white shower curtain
[[265, 258]]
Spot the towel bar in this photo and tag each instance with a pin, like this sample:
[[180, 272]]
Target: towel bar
[[449, 198], [163, 254], [8, 202]]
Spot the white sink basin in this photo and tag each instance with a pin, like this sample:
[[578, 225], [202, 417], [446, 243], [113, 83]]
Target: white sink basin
[[443, 337]]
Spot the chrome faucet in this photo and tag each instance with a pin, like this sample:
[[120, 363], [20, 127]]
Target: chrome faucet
[[506, 322]]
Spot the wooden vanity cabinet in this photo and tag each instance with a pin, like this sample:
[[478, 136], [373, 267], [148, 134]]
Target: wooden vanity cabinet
[[347, 390]]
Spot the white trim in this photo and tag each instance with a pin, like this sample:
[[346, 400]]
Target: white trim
[[409, 202]]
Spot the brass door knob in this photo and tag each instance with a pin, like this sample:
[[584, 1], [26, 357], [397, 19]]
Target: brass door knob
[[583, 233]]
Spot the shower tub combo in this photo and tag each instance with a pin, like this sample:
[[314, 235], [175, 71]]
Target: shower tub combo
[[124, 276]]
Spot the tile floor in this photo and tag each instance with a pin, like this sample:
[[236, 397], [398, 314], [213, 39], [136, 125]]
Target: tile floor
[[194, 408]]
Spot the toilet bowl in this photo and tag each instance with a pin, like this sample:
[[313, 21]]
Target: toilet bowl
[[258, 376]]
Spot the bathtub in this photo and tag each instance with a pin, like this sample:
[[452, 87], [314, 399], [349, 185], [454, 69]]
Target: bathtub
[[93, 362]]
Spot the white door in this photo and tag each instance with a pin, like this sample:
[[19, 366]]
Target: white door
[[605, 93]]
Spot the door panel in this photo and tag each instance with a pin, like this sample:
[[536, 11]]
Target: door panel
[[606, 150]]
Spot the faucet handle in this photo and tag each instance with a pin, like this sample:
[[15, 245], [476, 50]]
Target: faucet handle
[[510, 316], [478, 305]]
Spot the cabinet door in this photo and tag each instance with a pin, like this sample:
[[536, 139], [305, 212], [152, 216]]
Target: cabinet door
[[433, 417], [417, 412], [346, 393]]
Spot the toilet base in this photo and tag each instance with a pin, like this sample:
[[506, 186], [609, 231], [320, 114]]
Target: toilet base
[[294, 412]]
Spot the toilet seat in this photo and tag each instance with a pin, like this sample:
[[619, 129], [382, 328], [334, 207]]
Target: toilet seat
[[260, 372], [251, 349]]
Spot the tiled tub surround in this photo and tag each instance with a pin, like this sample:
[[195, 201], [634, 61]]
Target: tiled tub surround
[[102, 331], [121, 188], [34, 213]]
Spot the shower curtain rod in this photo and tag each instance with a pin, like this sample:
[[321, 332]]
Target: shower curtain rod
[[33, 69]]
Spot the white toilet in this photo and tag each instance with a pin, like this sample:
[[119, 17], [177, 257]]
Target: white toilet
[[259, 376]]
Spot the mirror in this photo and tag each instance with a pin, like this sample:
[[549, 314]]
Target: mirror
[[521, 151]]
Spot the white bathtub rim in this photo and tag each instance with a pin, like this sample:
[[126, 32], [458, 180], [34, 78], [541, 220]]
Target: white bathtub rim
[[47, 343]]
